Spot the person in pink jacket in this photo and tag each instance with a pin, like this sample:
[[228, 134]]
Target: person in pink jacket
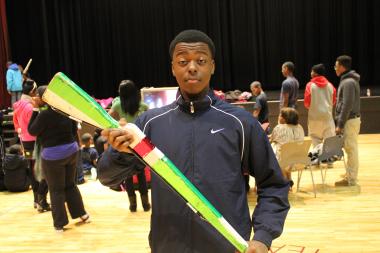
[[320, 97], [22, 112]]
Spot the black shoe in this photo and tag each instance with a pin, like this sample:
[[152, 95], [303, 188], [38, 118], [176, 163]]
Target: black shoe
[[132, 204], [133, 208], [43, 208], [344, 182], [145, 202], [42, 205], [59, 229], [85, 218]]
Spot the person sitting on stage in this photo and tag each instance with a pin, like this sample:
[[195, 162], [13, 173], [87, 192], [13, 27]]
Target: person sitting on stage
[[211, 142], [89, 155], [287, 130], [16, 172]]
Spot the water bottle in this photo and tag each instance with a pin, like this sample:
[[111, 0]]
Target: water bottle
[[368, 92]]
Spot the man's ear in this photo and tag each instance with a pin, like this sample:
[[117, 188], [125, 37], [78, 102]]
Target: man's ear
[[213, 67]]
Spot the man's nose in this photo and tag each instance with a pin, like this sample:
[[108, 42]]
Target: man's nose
[[193, 67]]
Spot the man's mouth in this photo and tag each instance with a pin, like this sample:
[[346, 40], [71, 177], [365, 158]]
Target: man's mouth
[[192, 81]]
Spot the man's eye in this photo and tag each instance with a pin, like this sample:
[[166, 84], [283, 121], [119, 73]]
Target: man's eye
[[202, 61], [183, 62]]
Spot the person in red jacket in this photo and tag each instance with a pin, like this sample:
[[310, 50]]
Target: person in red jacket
[[320, 97]]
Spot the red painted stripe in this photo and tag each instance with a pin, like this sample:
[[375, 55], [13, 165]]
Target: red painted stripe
[[144, 147]]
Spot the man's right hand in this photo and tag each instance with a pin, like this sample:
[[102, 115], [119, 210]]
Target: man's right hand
[[119, 139]]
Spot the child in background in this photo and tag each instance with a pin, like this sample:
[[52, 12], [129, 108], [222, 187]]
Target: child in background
[[89, 155], [16, 171]]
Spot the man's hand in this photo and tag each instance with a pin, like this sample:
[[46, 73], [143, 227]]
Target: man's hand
[[338, 131], [119, 139], [256, 247]]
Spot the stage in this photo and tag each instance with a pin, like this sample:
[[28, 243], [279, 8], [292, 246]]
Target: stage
[[345, 219]]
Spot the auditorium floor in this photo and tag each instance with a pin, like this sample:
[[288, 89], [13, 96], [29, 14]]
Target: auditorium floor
[[345, 219]]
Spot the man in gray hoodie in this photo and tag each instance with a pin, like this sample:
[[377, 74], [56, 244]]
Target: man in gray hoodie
[[347, 116]]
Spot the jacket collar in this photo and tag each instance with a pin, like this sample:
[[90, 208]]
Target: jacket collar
[[196, 106]]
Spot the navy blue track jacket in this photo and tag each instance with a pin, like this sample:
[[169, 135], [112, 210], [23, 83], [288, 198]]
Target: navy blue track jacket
[[211, 142]]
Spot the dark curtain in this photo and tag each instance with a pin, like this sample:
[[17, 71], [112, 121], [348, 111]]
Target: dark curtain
[[100, 42], [5, 99]]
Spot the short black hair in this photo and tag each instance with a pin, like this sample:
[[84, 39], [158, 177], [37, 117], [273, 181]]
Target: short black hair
[[345, 61], [28, 85], [41, 90], [289, 65], [192, 36], [15, 149], [255, 84], [85, 138], [319, 69], [290, 115]]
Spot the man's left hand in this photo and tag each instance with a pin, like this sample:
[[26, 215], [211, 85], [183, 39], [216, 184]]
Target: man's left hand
[[256, 247], [338, 131]]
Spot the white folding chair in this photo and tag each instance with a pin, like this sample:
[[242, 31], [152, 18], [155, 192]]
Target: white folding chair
[[332, 151], [294, 153]]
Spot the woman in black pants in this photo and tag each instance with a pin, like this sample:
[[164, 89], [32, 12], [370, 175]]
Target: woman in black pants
[[58, 159], [126, 109]]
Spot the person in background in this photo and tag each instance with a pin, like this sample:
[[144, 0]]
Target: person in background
[[22, 112], [89, 155], [319, 99], [16, 170], [126, 108], [260, 111], [347, 116], [58, 159], [287, 130], [211, 142], [290, 86], [14, 81]]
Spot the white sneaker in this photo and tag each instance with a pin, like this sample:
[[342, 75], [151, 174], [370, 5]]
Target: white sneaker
[[58, 229], [85, 218], [94, 174]]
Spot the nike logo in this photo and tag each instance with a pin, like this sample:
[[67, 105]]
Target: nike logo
[[215, 131]]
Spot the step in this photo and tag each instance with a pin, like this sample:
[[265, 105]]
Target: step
[[10, 141], [7, 123]]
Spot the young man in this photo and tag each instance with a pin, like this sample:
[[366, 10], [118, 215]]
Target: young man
[[211, 142], [261, 107], [320, 97], [347, 115], [290, 86]]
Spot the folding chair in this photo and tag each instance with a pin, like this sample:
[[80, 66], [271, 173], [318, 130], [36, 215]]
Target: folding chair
[[332, 151], [294, 153]]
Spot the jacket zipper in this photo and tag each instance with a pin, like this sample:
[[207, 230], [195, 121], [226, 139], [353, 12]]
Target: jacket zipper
[[191, 107], [192, 165]]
